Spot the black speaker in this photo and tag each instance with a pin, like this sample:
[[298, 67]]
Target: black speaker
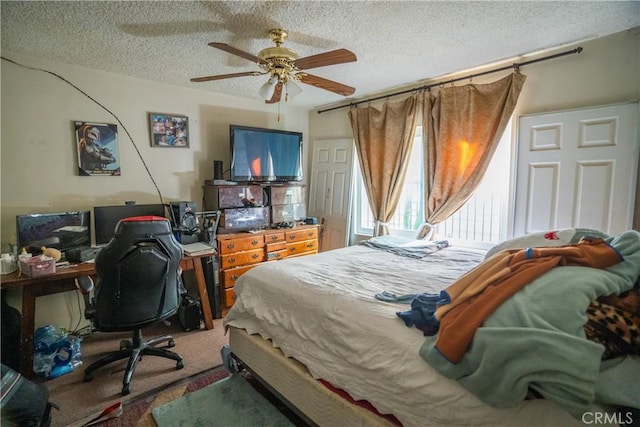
[[189, 313], [217, 169], [185, 222], [210, 269]]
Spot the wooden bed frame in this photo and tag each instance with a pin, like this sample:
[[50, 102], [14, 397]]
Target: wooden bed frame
[[294, 385]]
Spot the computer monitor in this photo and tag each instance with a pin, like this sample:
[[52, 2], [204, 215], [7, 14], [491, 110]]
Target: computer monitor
[[106, 218], [63, 231]]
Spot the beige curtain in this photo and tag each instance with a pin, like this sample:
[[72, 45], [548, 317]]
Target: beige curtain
[[383, 143], [462, 127]]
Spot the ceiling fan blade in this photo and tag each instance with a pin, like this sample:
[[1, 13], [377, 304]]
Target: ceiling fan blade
[[277, 93], [235, 51], [326, 84], [225, 76], [338, 56]]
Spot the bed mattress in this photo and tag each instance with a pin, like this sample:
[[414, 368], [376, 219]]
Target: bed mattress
[[322, 311], [292, 381]]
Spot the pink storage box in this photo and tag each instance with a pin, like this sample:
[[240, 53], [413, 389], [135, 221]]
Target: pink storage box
[[38, 266]]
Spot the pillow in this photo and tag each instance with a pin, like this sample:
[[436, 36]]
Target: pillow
[[561, 237]]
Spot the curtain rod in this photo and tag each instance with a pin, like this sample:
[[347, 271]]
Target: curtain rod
[[516, 66]]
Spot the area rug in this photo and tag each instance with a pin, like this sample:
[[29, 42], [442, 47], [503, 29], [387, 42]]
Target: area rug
[[138, 412], [231, 401]]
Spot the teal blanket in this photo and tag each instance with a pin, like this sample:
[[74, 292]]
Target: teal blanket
[[536, 338]]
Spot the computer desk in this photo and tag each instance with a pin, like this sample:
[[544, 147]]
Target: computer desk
[[64, 280]]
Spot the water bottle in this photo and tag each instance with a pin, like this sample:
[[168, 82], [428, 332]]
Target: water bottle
[[54, 352]]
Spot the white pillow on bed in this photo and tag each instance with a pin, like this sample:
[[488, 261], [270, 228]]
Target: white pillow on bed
[[545, 239]]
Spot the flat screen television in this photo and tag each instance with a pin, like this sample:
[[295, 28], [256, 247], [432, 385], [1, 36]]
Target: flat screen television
[[63, 231], [106, 218], [265, 155]]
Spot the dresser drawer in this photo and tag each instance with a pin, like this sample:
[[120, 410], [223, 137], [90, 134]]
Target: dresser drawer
[[242, 258], [274, 237], [277, 246], [229, 297], [237, 245], [299, 235], [230, 276], [276, 255], [300, 247]]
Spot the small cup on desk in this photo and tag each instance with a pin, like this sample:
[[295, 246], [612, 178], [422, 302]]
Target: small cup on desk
[[8, 263]]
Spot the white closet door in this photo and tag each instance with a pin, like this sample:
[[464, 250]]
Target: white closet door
[[577, 168], [330, 190]]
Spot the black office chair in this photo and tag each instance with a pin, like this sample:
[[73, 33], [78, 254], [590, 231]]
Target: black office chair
[[138, 283]]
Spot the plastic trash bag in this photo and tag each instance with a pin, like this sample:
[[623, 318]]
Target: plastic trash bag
[[56, 352]]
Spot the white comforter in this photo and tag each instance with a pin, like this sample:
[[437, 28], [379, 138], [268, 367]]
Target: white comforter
[[322, 311]]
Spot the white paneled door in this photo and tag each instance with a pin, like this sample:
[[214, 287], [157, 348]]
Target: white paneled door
[[577, 168], [330, 190]]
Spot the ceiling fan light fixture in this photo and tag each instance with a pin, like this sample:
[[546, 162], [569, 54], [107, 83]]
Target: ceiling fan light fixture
[[292, 89], [267, 89]]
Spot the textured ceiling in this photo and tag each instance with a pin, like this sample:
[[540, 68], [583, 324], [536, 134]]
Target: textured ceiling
[[396, 42]]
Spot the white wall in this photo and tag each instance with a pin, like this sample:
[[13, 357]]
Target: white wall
[[606, 72], [39, 157]]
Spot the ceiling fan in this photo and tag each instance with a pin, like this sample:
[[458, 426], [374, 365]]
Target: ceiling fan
[[285, 67]]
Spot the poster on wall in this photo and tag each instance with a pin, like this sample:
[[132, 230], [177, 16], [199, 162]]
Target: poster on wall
[[97, 149]]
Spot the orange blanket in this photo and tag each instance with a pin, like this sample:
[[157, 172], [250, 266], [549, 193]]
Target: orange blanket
[[479, 292]]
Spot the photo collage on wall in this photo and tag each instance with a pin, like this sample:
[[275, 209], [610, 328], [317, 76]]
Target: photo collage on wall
[[169, 130]]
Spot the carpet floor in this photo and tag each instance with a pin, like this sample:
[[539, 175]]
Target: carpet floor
[[80, 401]]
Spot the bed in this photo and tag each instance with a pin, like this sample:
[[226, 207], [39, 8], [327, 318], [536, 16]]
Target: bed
[[331, 320]]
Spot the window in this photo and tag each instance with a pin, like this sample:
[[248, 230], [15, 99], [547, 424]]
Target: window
[[481, 222]]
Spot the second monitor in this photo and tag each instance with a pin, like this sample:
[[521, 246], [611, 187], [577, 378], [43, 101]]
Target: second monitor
[[107, 217]]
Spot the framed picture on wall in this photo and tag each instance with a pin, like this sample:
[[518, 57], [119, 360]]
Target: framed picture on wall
[[169, 130], [97, 145]]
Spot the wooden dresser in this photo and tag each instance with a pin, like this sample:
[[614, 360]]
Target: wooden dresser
[[240, 252]]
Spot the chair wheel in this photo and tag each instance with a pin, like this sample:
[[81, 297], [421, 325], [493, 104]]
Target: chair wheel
[[88, 377], [125, 390], [171, 343], [125, 344], [180, 364]]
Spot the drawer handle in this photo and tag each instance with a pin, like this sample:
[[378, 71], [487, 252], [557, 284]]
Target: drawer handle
[[292, 236], [234, 277], [274, 237], [254, 242], [255, 256], [232, 260], [310, 234], [231, 245], [310, 245]]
